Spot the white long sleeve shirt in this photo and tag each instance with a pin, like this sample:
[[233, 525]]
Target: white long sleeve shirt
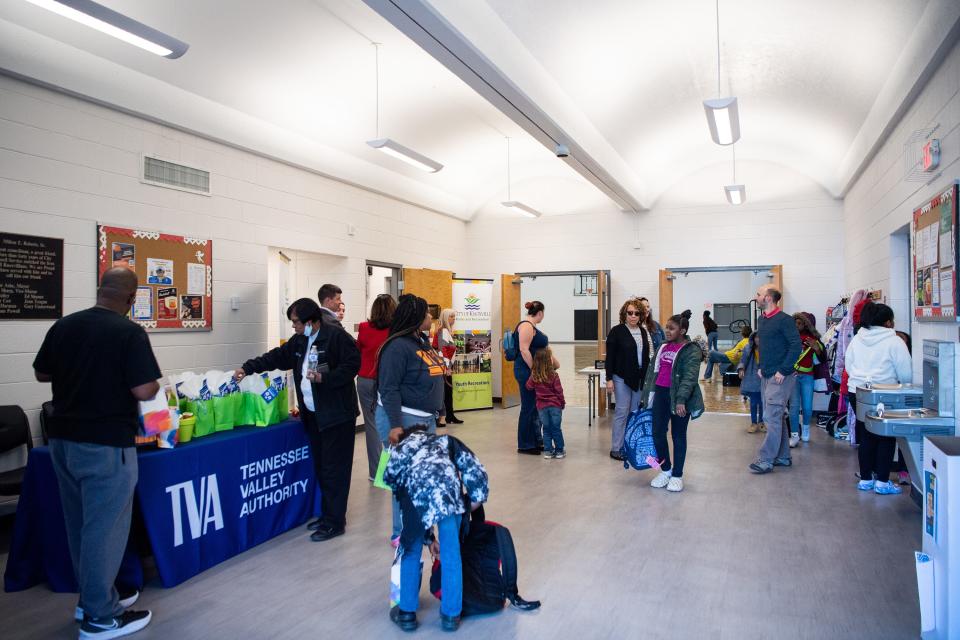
[[877, 355]]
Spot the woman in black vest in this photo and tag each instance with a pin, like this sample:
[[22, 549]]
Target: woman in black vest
[[628, 355]]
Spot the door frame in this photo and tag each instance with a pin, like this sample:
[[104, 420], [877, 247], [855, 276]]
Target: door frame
[[580, 272], [669, 274], [398, 273]]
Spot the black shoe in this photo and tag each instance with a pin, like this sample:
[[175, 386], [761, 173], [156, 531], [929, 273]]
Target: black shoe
[[128, 597], [316, 524], [616, 456], [449, 623], [123, 625], [454, 420], [530, 452], [524, 605], [406, 620], [325, 533]]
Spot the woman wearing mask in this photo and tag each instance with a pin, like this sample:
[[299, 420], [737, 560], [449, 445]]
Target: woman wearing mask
[[370, 338], [409, 379], [446, 345], [876, 354], [530, 340], [628, 355]]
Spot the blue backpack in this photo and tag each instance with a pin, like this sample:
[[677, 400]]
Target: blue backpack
[[638, 440], [511, 344]]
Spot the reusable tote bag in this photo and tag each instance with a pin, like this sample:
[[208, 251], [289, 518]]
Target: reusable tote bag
[[638, 448]]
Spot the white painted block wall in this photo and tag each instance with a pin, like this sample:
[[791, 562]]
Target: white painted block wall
[[66, 164], [881, 201]]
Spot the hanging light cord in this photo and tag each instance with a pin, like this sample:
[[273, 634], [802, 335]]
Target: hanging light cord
[[376, 57], [508, 168], [718, 48]]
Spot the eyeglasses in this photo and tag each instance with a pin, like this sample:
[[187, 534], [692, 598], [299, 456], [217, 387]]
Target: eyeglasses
[[633, 313]]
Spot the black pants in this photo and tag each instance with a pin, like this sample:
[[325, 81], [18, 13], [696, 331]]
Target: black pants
[[663, 417], [332, 452], [448, 397], [874, 452]]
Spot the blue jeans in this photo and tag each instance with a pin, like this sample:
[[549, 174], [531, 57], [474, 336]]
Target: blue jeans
[[627, 402], [451, 577], [383, 428], [716, 357], [756, 406], [802, 399], [712, 340], [551, 418], [528, 425]]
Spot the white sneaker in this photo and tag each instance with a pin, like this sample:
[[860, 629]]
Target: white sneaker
[[127, 600], [675, 484], [662, 479], [794, 440]]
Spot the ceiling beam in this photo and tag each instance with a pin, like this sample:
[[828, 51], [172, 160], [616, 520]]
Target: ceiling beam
[[473, 43]]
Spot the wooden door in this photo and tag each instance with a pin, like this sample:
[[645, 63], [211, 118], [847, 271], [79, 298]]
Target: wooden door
[[602, 302], [666, 295], [510, 317], [777, 281], [433, 285]]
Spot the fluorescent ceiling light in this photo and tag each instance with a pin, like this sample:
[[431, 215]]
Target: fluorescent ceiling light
[[723, 117], [530, 212], [406, 154], [736, 193], [108, 21]]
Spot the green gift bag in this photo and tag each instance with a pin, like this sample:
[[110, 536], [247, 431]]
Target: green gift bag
[[381, 469], [279, 404], [203, 411]]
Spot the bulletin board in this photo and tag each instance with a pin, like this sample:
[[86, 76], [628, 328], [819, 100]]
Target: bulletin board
[[934, 240], [175, 275]]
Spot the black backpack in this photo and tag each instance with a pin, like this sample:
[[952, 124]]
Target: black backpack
[[489, 568]]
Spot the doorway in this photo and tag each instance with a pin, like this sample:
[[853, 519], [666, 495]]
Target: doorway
[[576, 320], [382, 277], [900, 292]]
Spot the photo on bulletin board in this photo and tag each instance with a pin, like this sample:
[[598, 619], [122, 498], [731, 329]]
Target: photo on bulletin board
[[174, 272], [934, 241]]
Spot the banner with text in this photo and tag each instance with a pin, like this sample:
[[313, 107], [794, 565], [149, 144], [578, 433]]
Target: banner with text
[[472, 373]]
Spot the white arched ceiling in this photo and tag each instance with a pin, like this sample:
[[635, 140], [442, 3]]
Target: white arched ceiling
[[806, 74], [294, 80]]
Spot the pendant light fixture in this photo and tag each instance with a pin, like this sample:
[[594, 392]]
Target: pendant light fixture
[[392, 147], [510, 203], [736, 193], [723, 116], [96, 16]]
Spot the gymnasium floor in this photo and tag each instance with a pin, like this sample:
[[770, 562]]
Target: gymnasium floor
[[798, 553]]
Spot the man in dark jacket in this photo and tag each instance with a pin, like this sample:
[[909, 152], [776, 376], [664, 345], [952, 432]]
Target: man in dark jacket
[[780, 347], [327, 397]]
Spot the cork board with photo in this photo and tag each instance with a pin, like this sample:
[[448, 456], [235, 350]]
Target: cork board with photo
[[175, 275]]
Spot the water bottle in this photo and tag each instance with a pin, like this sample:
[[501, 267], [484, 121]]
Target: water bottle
[[313, 359]]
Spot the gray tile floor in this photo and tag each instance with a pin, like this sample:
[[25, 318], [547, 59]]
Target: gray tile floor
[[795, 554]]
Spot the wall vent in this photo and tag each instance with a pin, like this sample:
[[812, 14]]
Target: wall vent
[[175, 176]]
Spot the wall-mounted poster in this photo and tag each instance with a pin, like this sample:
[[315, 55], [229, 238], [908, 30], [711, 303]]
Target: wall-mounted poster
[[124, 255], [175, 275], [167, 303], [31, 277], [935, 257]]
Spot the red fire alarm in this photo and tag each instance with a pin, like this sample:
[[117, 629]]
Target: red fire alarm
[[931, 155]]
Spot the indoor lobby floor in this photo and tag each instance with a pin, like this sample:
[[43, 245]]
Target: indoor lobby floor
[[798, 553]]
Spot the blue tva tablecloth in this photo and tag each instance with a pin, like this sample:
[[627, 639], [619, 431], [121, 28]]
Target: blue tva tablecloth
[[201, 503]]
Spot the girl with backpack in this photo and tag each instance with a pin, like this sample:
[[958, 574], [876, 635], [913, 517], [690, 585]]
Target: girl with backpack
[[545, 383], [676, 399], [750, 382], [429, 475]]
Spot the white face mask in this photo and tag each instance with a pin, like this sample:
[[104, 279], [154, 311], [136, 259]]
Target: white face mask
[[307, 329]]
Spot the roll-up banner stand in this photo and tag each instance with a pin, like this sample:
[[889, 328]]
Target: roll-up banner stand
[[472, 372]]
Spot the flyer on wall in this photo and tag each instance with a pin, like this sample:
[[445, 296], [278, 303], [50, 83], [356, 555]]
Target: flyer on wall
[[472, 366], [167, 304]]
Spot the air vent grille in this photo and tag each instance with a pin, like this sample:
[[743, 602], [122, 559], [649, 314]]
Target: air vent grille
[[177, 176]]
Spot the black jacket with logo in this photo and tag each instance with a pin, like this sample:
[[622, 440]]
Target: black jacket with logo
[[335, 396]]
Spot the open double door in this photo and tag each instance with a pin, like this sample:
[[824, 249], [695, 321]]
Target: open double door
[[666, 289], [511, 316]]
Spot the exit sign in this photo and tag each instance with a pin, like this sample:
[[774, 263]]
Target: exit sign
[[931, 155]]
